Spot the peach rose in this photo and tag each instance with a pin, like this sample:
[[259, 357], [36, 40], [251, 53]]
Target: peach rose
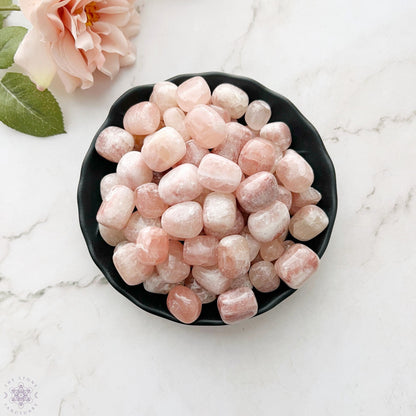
[[73, 38]]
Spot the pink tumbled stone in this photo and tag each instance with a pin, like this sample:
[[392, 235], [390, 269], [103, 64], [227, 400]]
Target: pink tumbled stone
[[164, 95], [258, 114], [116, 208], [107, 182], [201, 250], [253, 244], [204, 295], [257, 191], [308, 222], [269, 223], [153, 245], [241, 281], [237, 304], [180, 184], [236, 136], [163, 149], [225, 115], [184, 304], [219, 211], [132, 171], [235, 229], [264, 277], [183, 220], [155, 284], [174, 269], [111, 236], [296, 265], [232, 98], [309, 197], [211, 279], [277, 132], [233, 256], [142, 118], [136, 223], [148, 201], [126, 261], [294, 172], [219, 174], [271, 250], [205, 126], [257, 155], [194, 153], [285, 196], [113, 142], [192, 92], [175, 117]]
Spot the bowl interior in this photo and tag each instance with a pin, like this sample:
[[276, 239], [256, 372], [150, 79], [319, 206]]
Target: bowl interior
[[306, 141]]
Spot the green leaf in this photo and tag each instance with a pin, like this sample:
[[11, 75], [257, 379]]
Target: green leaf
[[24, 108], [3, 15], [10, 38]]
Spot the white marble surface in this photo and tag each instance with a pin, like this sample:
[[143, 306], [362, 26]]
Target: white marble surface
[[344, 344]]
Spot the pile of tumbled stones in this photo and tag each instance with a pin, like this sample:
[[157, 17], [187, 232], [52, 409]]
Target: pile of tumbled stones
[[200, 205]]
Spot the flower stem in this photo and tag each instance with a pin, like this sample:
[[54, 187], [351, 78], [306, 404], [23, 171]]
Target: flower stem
[[11, 8]]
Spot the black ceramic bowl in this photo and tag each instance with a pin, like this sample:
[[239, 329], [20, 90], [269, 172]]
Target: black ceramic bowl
[[306, 141]]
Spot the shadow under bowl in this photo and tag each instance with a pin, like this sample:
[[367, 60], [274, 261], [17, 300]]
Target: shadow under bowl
[[305, 140]]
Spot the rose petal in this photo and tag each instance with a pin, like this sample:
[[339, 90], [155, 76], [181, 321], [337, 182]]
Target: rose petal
[[111, 65], [130, 57], [33, 55]]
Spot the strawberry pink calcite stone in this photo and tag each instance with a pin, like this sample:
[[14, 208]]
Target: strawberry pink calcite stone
[[296, 265], [148, 201], [204, 295], [142, 118], [110, 235], [232, 98], [201, 250], [174, 269], [308, 222], [277, 132], [225, 115], [183, 220], [175, 117], [263, 276], [113, 142], [258, 114], [205, 126], [192, 92], [257, 155], [163, 149], [155, 284], [164, 95], [184, 304], [180, 184], [253, 244], [269, 223], [237, 305], [219, 211], [116, 208], [309, 197], [241, 281], [236, 136], [132, 171], [257, 191], [153, 245], [194, 153], [285, 196], [211, 279], [271, 250], [235, 229], [219, 174], [233, 256], [126, 261], [136, 223], [107, 182], [294, 172]]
